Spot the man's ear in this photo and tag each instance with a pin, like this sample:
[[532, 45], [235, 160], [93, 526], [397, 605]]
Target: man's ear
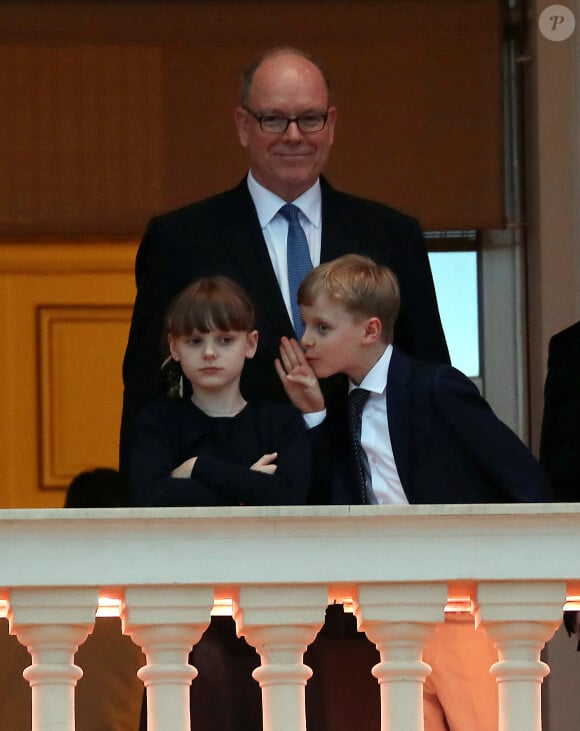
[[330, 123], [241, 118], [252, 343], [373, 329]]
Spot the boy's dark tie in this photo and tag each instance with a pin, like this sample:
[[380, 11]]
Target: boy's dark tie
[[356, 401], [299, 262]]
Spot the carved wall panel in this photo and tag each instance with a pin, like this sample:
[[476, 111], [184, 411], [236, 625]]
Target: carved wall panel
[[66, 309]]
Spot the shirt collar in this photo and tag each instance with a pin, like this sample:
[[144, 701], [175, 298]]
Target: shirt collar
[[268, 204], [375, 380]]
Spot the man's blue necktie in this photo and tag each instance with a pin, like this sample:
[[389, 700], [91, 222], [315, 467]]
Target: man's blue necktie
[[299, 262]]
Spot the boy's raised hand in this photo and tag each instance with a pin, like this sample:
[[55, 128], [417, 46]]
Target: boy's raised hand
[[298, 378]]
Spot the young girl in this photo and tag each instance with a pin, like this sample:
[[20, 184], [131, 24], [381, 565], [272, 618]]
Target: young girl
[[214, 448], [211, 447]]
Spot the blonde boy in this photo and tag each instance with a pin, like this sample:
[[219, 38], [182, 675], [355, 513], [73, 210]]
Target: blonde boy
[[425, 436]]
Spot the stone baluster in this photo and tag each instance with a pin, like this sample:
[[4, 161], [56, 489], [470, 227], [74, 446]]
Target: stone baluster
[[520, 617], [280, 622], [399, 618], [52, 623], [166, 622]]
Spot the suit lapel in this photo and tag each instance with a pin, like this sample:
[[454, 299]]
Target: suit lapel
[[398, 406], [247, 247], [337, 230]]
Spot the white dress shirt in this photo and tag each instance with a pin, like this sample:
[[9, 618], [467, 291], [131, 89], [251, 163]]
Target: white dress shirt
[[383, 483], [275, 227]]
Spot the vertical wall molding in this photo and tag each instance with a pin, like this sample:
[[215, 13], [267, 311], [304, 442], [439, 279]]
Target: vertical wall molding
[[67, 309]]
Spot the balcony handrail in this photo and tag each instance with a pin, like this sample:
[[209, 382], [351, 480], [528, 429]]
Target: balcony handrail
[[514, 566], [323, 544]]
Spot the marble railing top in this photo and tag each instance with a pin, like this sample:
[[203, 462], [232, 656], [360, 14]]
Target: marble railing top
[[336, 546]]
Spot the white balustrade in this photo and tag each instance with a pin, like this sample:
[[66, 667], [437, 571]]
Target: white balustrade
[[52, 622], [520, 618], [280, 622], [166, 622], [279, 566], [399, 618]]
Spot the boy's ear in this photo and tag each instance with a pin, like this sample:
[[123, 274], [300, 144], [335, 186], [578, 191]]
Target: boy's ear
[[252, 343], [373, 330]]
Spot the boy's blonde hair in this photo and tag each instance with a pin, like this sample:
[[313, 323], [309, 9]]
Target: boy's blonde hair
[[363, 287]]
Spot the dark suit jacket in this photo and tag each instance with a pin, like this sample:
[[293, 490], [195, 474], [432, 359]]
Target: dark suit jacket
[[560, 444], [222, 235], [449, 446]]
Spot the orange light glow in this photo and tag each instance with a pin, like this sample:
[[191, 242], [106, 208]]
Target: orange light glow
[[572, 603], [222, 607], [109, 607]]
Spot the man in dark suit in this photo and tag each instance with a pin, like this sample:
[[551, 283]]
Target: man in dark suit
[[409, 432], [286, 124], [560, 443]]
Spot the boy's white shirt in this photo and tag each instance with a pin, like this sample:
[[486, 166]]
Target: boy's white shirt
[[383, 481]]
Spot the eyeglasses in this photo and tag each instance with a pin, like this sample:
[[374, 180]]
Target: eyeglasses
[[278, 125]]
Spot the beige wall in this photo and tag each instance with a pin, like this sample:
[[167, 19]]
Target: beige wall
[[553, 253], [552, 185]]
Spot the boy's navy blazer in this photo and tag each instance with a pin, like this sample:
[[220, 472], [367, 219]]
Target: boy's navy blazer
[[448, 445]]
